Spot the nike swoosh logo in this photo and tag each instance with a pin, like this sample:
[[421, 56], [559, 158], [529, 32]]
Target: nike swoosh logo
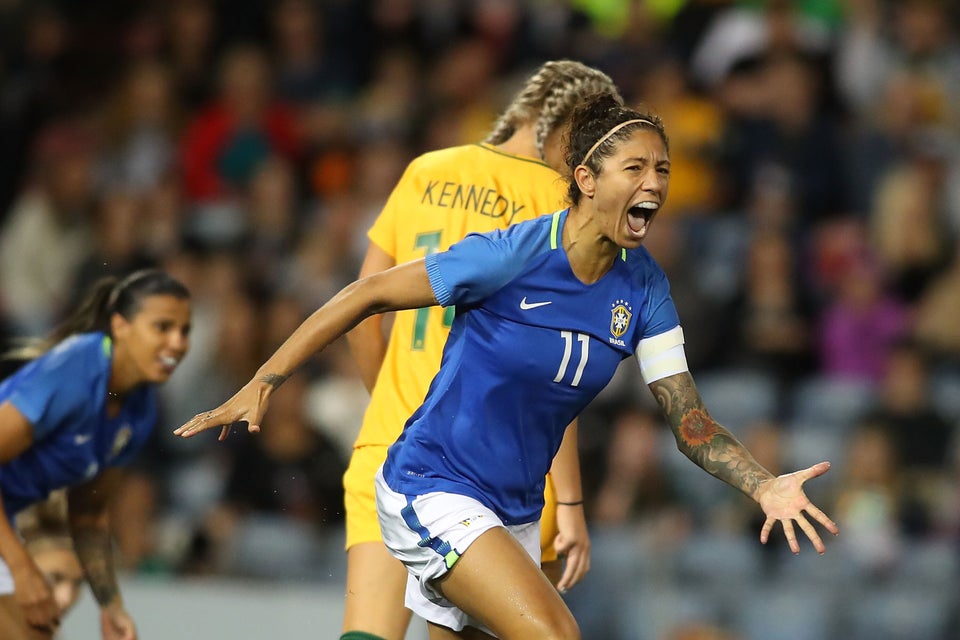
[[82, 439], [532, 305]]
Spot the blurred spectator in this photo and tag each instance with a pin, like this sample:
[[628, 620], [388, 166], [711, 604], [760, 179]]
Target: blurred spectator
[[337, 397], [869, 502], [282, 314], [636, 486], [117, 247], [860, 320], [908, 221], [461, 84], [883, 136], [773, 311], [304, 70], [141, 126], [695, 124], [48, 232], [938, 308], [324, 259], [232, 135], [747, 30], [161, 219], [33, 86], [389, 103], [883, 39], [380, 162], [191, 32], [778, 121], [397, 23], [275, 216], [920, 433]]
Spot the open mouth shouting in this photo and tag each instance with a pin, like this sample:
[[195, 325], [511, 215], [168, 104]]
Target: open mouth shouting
[[640, 215]]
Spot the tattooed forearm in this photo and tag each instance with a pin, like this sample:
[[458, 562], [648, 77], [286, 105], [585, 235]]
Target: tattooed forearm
[[92, 545], [274, 379], [702, 439], [90, 529]]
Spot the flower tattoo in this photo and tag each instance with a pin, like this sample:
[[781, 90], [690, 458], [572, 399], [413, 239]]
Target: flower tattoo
[[697, 428]]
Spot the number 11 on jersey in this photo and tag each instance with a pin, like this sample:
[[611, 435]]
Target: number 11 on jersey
[[584, 341]]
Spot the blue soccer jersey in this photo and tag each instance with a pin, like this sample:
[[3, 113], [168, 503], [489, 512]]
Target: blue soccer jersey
[[530, 347], [63, 396]]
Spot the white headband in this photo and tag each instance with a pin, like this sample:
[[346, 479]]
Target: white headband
[[610, 133]]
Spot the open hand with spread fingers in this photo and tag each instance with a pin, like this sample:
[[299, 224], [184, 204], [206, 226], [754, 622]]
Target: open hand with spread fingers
[[782, 499]]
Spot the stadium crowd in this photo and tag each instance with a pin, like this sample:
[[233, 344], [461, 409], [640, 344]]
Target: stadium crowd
[[811, 238]]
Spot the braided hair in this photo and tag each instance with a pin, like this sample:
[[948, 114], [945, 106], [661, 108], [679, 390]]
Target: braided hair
[[548, 98]]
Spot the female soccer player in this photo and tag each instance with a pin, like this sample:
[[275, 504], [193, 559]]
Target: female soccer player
[[443, 196], [546, 310], [70, 418]]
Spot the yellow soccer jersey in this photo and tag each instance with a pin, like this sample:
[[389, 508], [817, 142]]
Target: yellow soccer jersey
[[443, 196]]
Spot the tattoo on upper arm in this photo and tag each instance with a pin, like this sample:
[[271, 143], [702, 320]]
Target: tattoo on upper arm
[[274, 379], [702, 439]]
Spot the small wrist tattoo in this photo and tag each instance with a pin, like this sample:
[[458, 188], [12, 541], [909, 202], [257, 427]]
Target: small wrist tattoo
[[274, 379]]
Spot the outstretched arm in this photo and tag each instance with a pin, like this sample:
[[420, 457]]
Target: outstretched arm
[[405, 286], [368, 343], [90, 529], [719, 453]]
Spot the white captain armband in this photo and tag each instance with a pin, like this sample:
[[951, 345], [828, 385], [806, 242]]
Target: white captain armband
[[662, 355]]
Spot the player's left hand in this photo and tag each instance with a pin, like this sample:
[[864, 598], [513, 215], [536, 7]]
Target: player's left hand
[[783, 500], [573, 544], [116, 624]]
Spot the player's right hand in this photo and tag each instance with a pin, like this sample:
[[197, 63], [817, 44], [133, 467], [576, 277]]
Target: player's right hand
[[33, 595], [247, 405]]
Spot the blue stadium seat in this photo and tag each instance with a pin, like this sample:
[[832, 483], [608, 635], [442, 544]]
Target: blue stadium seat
[[786, 612], [945, 393], [279, 548], [657, 610], [737, 398], [900, 612], [831, 403], [709, 557]]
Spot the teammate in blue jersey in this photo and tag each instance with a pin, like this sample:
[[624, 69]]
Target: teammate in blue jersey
[[71, 417], [545, 311]]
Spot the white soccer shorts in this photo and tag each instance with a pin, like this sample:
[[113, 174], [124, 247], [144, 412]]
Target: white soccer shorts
[[428, 533]]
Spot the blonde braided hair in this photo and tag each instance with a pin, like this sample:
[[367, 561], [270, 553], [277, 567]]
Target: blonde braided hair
[[548, 99]]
